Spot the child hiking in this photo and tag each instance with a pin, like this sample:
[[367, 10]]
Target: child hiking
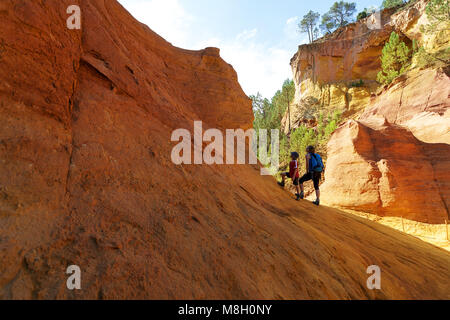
[[314, 169], [293, 173]]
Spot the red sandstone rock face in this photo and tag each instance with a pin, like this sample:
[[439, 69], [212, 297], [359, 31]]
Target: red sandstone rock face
[[86, 179], [419, 101], [339, 71], [350, 53], [383, 169], [396, 160], [366, 167]]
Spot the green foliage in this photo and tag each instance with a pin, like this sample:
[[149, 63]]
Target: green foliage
[[438, 10], [424, 59], [303, 137], [339, 15], [309, 25], [438, 13], [415, 47], [387, 4], [268, 115], [326, 129], [357, 84], [327, 25], [285, 152], [395, 59], [284, 97], [261, 109], [361, 15]]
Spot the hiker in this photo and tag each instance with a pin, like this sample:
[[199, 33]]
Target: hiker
[[293, 173], [314, 169]]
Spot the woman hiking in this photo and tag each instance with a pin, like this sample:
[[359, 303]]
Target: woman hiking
[[314, 169]]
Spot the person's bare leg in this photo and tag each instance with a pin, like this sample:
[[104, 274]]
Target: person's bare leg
[[318, 194]]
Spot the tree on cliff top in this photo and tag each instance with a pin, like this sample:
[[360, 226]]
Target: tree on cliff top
[[394, 59], [387, 4], [339, 15], [308, 25]]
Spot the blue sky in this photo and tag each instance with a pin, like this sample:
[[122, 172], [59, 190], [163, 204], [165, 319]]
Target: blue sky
[[258, 37]]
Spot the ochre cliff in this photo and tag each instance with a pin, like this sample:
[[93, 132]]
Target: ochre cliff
[[394, 159], [339, 71], [86, 179], [382, 168], [418, 101]]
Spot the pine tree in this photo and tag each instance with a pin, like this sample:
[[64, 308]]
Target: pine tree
[[327, 25], [308, 25], [387, 4], [395, 59], [341, 13]]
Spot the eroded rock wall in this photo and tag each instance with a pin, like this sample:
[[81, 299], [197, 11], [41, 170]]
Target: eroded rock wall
[[391, 161], [339, 71], [395, 160], [418, 101], [382, 168]]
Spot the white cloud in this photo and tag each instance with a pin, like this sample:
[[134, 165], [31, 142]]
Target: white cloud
[[292, 20], [291, 27], [168, 18]]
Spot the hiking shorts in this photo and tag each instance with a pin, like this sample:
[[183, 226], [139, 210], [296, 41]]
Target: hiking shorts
[[294, 181], [314, 176]]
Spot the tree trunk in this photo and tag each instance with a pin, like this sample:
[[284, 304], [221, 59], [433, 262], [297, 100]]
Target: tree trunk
[[289, 111]]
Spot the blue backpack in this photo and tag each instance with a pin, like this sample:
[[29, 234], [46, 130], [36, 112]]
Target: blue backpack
[[316, 164]]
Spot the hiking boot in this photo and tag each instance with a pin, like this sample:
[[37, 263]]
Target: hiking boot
[[281, 184], [301, 195], [317, 202], [298, 197]]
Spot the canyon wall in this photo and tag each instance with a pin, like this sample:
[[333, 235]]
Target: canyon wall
[[395, 161], [418, 101], [395, 158], [339, 71]]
